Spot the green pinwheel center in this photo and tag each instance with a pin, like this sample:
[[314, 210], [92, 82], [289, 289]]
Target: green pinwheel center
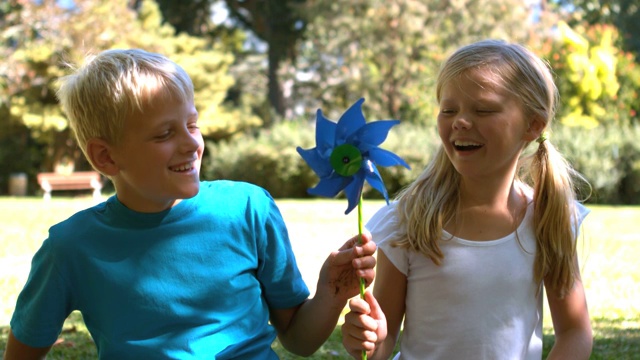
[[346, 159]]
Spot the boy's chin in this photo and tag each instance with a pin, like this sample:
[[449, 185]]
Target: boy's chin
[[192, 190]]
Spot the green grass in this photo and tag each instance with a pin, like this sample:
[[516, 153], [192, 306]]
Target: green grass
[[608, 251]]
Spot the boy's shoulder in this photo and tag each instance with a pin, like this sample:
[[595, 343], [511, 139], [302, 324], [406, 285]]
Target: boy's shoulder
[[231, 188], [84, 216]]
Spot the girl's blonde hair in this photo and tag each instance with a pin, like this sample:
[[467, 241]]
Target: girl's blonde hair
[[110, 87], [432, 199]]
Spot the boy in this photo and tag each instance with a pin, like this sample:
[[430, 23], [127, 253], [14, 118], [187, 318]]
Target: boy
[[171, 267]]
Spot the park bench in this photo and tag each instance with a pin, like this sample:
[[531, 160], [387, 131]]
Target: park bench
[[79, 180]]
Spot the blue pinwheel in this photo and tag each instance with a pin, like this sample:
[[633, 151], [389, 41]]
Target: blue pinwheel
[[347, 153]]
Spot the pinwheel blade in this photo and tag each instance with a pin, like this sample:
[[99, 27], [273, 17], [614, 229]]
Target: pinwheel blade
[[375, 180], [331, 186], [373, 134], [325, 134], [354, 191], [382, 157], [320, 166], [350, 122]]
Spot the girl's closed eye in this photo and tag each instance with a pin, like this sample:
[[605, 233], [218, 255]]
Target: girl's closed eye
[[486, 111]]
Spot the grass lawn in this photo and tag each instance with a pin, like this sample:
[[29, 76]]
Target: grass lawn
[[608, 251]]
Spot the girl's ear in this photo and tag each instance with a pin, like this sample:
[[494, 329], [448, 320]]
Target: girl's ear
[[100, 155], [536, 127]]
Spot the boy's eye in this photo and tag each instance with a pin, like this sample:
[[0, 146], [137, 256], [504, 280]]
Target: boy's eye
[[163, 136]]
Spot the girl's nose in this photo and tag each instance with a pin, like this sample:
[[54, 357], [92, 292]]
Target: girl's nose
[[461, 123]]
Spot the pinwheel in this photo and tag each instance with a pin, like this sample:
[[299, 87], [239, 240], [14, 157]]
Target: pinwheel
[[346, 155]]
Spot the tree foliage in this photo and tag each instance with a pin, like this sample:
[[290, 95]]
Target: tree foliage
[[623, 14], [280, 24], [598, 82], [318, 54], [390, 51], [40, 37]]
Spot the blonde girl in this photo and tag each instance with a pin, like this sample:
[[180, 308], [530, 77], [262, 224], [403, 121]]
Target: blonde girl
[[467, 248]]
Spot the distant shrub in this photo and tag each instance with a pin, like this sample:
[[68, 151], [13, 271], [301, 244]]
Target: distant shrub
[[608, 157], [268, 159]]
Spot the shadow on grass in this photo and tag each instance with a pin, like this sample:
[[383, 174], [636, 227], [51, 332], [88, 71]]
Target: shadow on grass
[[614, 339]]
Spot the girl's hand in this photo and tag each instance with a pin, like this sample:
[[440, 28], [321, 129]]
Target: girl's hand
[[365, 326]]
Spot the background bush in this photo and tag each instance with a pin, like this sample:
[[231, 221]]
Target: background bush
[[268, 159], [608, 157]]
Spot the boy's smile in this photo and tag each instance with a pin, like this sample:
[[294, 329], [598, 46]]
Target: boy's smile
[[159, 158]]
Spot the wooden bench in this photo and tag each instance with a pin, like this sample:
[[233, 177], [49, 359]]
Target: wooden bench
[[80, 180]]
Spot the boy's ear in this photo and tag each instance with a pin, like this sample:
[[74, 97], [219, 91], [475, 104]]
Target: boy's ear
[[536, 127], [99, 152]]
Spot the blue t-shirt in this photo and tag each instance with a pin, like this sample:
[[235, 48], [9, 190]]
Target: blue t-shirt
[[194, 281]]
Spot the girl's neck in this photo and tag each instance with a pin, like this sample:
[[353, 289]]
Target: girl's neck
[[488, 212], [494, 194]]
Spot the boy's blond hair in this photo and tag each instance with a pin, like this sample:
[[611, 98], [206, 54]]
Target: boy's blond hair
[[110, 87], [432, 200]]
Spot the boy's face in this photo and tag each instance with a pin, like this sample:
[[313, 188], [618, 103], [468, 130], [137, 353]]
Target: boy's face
[[159, 158]]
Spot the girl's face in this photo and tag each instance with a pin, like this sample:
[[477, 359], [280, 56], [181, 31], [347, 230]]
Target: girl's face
[[482, 126], [159, 158]]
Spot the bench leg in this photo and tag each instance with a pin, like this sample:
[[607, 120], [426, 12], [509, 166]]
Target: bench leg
[[47, 196], [97, 195]]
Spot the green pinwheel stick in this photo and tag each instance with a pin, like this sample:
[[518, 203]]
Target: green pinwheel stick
[[346, 155]]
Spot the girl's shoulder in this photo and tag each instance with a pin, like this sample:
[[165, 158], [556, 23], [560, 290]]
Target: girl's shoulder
[[384, 224], [580, 211]]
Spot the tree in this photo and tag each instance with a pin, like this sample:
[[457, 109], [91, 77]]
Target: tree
[[390, 50], [41, 37], [280, 24], [191, 17], [598, 82], [623, 14]]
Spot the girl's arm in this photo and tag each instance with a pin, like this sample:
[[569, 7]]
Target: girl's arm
[[364, 325], [571, 322]]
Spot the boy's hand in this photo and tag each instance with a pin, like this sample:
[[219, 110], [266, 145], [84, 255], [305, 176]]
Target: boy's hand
[[365, 326], [341, 272]]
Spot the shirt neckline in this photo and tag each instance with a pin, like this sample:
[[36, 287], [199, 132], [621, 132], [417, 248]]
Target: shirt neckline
[[446, 236]]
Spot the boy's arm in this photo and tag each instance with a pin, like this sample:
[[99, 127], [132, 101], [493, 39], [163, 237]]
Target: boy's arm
[[303, 329], [19, 351]]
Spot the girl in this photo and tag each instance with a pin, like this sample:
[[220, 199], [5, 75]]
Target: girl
[[467, 247]]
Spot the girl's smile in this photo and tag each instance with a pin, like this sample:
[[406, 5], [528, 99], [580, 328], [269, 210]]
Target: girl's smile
[[482, 126]]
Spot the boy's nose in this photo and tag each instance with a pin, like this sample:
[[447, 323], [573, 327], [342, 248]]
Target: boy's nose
[[191, 142]]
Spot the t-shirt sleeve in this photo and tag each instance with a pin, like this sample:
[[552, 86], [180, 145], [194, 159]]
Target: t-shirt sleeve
[[43, 304], [384, 228], [581, 213], [278, 271]]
